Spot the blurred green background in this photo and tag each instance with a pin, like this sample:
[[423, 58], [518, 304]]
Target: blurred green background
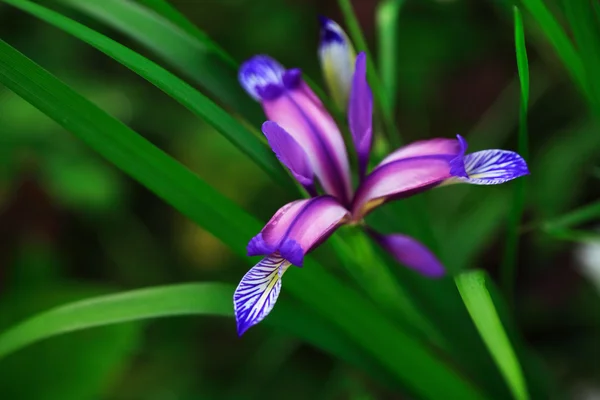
[[72, 226]]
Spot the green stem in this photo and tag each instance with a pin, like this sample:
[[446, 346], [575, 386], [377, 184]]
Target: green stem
[[512, 243]]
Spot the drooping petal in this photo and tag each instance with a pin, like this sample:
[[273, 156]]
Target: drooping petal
[[492, 167], [257, 292], [289, 152], [360, 113], [298, 227], [398, 179], [409, 252], [486, 167], [288, 101], [336, 56]]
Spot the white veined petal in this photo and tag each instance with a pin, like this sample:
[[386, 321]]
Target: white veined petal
[[257, 292], [492, 167]]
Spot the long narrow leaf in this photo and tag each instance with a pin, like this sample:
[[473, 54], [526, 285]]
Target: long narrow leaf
[[478, 301], [388, 16], [200, 60], [575, 217], [186, 299], [406, 359], [585, 28], [186, 95], [559, 40], [512, 241]]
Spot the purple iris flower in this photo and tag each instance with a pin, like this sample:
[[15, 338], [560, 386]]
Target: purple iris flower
[[307, 141]]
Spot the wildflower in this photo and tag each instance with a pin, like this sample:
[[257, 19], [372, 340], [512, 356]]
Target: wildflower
[[336, 56], [307, 141]]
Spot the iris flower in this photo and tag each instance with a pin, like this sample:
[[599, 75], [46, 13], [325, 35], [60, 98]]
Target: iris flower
[[309, 144]]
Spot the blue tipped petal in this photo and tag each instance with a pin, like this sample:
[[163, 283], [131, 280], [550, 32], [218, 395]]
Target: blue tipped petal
[[492, 167], [257, 292], [262, 77], [487, 167], [336, 56]]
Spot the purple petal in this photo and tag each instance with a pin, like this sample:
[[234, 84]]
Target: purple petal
[[262, 77], [492, 167], [257, 292], [397, 179], [303, 116], [411, 253], [360, 112], [298, 227], [487, 167], [448, 147], [289, 152], [336, 56]]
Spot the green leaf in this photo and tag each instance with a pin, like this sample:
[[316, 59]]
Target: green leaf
[[472, 288], [585, 29], [196, 56], [409, 361], [165, 9], [575, 217], [186, 95], [560, 41], [186, 299], [89, 360], [388, 16], [509, 260]]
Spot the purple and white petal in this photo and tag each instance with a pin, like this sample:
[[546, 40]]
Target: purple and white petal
[[257, 292], [486, 167], [262, 77], [492, 167], [409, 252], [398, 179], [304, 117], [298, 227], [336, 56], [431, 147], [289, 152], [360, 113]]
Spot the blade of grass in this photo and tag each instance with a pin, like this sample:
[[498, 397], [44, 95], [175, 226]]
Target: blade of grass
[[253, 146], [575, 217], [509, 262], [186, 299], [477, 299], [560, 41], [408, 361], [585, 29], [165, 9], [198, 59], [574, 235], [388, 16], [378, 91]]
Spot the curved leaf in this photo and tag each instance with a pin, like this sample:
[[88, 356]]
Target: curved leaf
[[186, 299], [253, 146], [478, 301], [194, 55]]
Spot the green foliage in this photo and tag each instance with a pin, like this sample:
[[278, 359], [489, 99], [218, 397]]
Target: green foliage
[[481, 308], [79, 237], [512, 242]]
